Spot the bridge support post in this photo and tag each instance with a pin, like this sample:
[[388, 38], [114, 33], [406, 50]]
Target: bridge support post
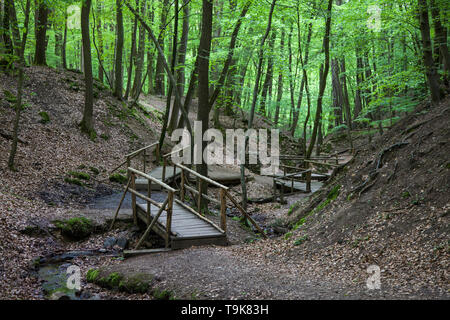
[[169, 217], [223, 210]]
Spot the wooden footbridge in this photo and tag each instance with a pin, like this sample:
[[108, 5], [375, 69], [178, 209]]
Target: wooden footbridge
[[176, 220]]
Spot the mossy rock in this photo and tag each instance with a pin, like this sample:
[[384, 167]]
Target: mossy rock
[[159, 294], [300, 241], [117, 177], [94, 170], [74, 181], [80, 175], [139, 283], [45, 118], [76, 228]]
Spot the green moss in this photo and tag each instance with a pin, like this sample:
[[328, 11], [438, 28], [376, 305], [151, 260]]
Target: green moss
[[332, 195], [94, 170], [11, 98], [104, 136], [117, 177], [74, 181], [80, 175], [45, 118], [287, 235], [92, 275], [162, 294], [139, 283], [75, 228], [301, 240]]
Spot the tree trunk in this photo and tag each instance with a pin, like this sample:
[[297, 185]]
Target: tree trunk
[[21, 66], [323, 79], [203, 84], [87, 123], [280, 80], [41, 34], [132, 56], [118, 74], [442, 56], [269, 76], [140, 57], [100, 39], [159, 76], [431, 72]]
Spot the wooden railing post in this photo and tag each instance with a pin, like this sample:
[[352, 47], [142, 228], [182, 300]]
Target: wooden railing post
[[128, 166], [308, 180], [182, 189], [223, 210], [144, 155], [169, 217], [133, 197], [199, 197], [164, 170], [149, 205]]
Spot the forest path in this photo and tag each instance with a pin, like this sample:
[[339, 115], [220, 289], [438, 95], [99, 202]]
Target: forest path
[[227, 273]]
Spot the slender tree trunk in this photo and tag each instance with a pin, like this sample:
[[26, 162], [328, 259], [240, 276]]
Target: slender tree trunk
[[100, 38], [269, 76], [159, 77], [118, 76], [255, 97], [41, 34], [87, 123], [132, 56], [280, 80], [442, 56], [323, 79], [431, 72], [203, 83], [64, 44], [140, 57], [21, 67]]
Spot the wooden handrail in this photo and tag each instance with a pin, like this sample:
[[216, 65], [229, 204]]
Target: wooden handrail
[[137, 152], [218, 185], [171, 153], [146, 176]]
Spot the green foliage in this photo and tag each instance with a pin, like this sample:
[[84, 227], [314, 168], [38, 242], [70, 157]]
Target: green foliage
[[45, 118], [92, 275], [74, 181], [139, 283], [118, 178], [11, 98], [300, 240], [80, 175], [77, 228]]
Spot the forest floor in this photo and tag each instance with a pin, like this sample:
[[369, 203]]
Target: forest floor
[[320, 249]]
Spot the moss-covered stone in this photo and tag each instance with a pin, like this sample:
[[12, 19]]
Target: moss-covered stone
[[74, 181], [80, 175], [159, 294], [45, 118], [117, 177], [75, 228], [139, 283], [94, 170]]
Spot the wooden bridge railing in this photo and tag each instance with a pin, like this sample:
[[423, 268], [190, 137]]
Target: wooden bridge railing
[[197, 194], [166, 206], [141, 152]]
